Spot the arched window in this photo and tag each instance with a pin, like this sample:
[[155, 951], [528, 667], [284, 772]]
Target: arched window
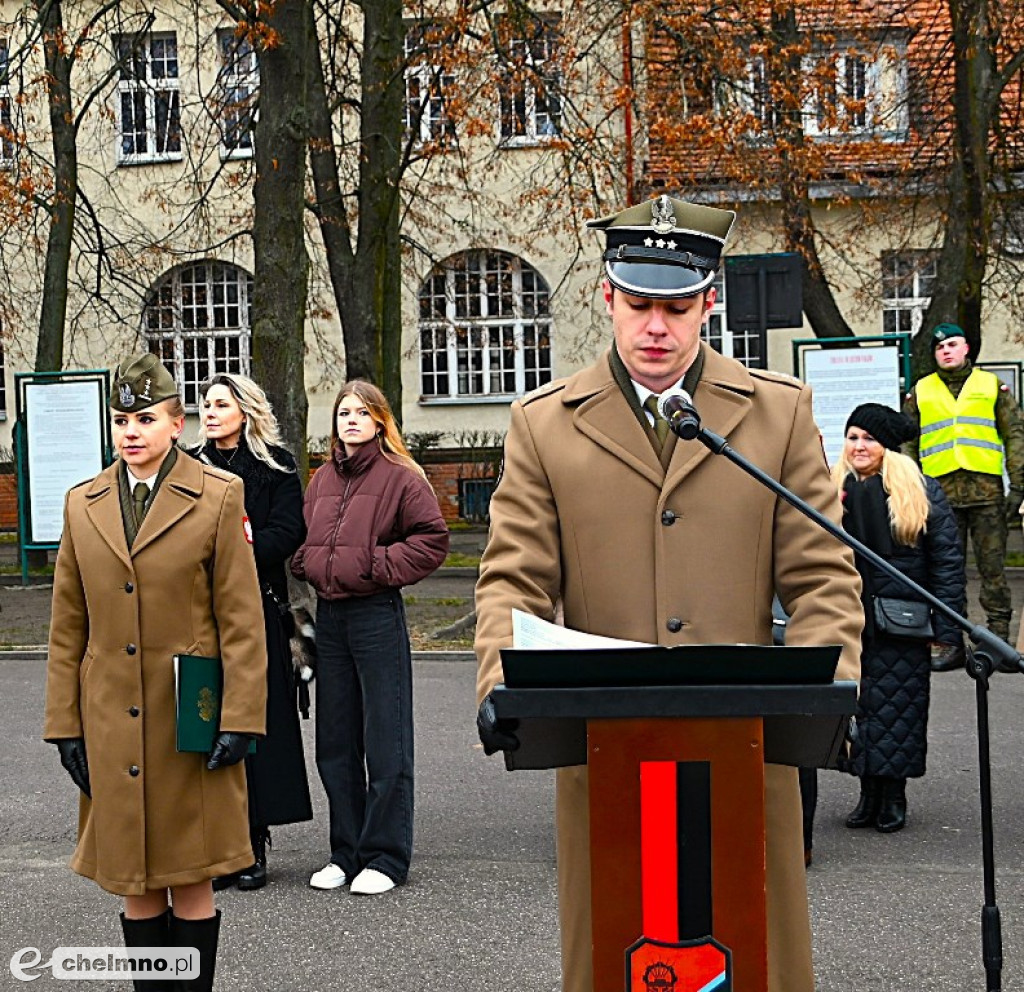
[[198, 320], [485, 328]]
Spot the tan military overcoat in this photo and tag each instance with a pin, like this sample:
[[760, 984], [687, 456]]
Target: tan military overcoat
[[157, 818], [585, 516]]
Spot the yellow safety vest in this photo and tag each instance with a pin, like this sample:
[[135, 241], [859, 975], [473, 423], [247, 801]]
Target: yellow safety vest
[[959, 432]]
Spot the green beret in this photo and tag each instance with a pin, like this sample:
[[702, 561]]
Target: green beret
[[139, 382], [665, 248], [944, 331]]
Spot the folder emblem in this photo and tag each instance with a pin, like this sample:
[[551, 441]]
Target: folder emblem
[[207, 704]]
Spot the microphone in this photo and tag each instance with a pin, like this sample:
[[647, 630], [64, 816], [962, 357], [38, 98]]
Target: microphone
[[676, 406]]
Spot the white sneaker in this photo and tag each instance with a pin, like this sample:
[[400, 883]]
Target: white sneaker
[[370, 882], [328, 877]]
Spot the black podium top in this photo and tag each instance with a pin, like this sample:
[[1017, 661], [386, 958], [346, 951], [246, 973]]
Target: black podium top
[[803, 724], [684, 664]]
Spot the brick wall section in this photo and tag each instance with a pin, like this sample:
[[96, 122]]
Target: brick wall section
[[443, 475], [445, 480], [8, 502]]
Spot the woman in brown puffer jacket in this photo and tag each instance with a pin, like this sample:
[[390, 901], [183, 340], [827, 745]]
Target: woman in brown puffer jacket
[[373, 525]]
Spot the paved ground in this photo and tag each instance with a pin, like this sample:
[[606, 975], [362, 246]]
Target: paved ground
[[890, 912], [897, 912]]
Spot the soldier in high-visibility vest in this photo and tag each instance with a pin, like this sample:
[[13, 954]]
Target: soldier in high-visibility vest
[[970, 429]]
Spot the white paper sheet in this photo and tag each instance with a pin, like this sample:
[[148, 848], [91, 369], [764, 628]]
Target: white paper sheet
[[537, 634]]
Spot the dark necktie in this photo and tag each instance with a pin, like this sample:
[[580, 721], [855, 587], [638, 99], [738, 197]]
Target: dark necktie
[[139, 496], [660, 423]]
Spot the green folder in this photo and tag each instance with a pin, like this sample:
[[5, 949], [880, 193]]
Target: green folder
[[198, 682]]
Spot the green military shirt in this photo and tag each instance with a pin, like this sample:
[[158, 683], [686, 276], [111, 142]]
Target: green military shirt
[[963, 488]]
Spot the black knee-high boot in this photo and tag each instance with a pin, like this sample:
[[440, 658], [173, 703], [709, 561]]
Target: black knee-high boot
[[892, 814], [202, 935], [256, 876], [866, 812], [151, 932]]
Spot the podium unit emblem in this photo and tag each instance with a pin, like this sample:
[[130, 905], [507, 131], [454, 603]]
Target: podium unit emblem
[[688, 966]]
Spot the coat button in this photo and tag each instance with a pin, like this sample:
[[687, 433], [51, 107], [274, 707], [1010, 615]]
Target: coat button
[[130, 648], [134, 771], [128, 587], [668, 518], [133, 711], [674, 624]]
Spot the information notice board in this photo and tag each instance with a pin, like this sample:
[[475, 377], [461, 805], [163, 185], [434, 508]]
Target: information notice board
[[842, 379], [65, 442]]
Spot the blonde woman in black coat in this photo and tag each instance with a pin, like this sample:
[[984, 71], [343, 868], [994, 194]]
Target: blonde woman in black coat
[[240, 434], [903, 516]]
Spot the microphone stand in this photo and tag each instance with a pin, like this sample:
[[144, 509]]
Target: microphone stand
[[989, 651]]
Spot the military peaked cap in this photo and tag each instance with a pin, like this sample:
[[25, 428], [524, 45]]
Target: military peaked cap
[[665, 248]]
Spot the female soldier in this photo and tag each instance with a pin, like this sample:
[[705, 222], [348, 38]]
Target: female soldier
[[902, 516], [154, 562], [373, 526], [241, 436]]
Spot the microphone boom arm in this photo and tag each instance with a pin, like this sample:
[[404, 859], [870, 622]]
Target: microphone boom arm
[[980, 665], [981, 636]]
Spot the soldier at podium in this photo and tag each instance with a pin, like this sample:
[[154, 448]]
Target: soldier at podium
[[603, 515]]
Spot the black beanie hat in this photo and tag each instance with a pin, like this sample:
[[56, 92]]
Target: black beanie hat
[[885, 425]]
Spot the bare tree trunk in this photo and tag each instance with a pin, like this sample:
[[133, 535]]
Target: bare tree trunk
[[372, 314], [329, 205], [819, 303], [963, 259], [282, 264], [61, 209]]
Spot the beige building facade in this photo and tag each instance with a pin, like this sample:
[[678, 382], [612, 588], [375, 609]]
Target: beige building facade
[[501, 288]]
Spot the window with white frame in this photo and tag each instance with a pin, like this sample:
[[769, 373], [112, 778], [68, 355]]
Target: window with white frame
[[428, 82], [485, 328], [6, 112], [749, 94], [149, 98], [531, 83], [198, 320], [908, 282], [746, 346], [849, 92], [857, 92], [238, 83]]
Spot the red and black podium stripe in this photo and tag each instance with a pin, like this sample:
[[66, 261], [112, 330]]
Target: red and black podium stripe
[[675, 849]]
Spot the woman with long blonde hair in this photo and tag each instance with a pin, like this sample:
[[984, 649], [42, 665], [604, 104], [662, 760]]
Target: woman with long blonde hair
[[902, 516], [373, 526], [238, 433]]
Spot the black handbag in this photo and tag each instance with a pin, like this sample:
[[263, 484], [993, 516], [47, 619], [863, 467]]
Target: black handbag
[[903, 618]]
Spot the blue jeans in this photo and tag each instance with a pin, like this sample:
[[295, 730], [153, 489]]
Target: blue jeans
[[364, 738]]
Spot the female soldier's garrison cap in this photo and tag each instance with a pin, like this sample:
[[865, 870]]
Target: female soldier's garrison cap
[[141, 381], [664, 248]]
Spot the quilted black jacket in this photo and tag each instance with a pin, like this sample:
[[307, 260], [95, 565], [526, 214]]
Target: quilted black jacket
[[892, 714]]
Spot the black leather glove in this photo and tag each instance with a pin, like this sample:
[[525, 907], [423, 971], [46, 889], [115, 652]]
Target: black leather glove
[[228, 749], [72, 757], [495, 734], [1014, 498]]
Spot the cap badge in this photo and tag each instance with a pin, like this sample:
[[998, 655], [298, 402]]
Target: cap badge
[[663, 218], [126, 394]]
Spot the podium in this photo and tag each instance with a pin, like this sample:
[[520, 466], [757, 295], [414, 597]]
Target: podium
[[677, 792]]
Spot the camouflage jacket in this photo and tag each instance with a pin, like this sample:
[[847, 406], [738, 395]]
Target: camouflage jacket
[[965, 488]]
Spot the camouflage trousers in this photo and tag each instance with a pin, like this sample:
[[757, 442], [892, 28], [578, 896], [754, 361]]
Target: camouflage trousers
[[986, 525]]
